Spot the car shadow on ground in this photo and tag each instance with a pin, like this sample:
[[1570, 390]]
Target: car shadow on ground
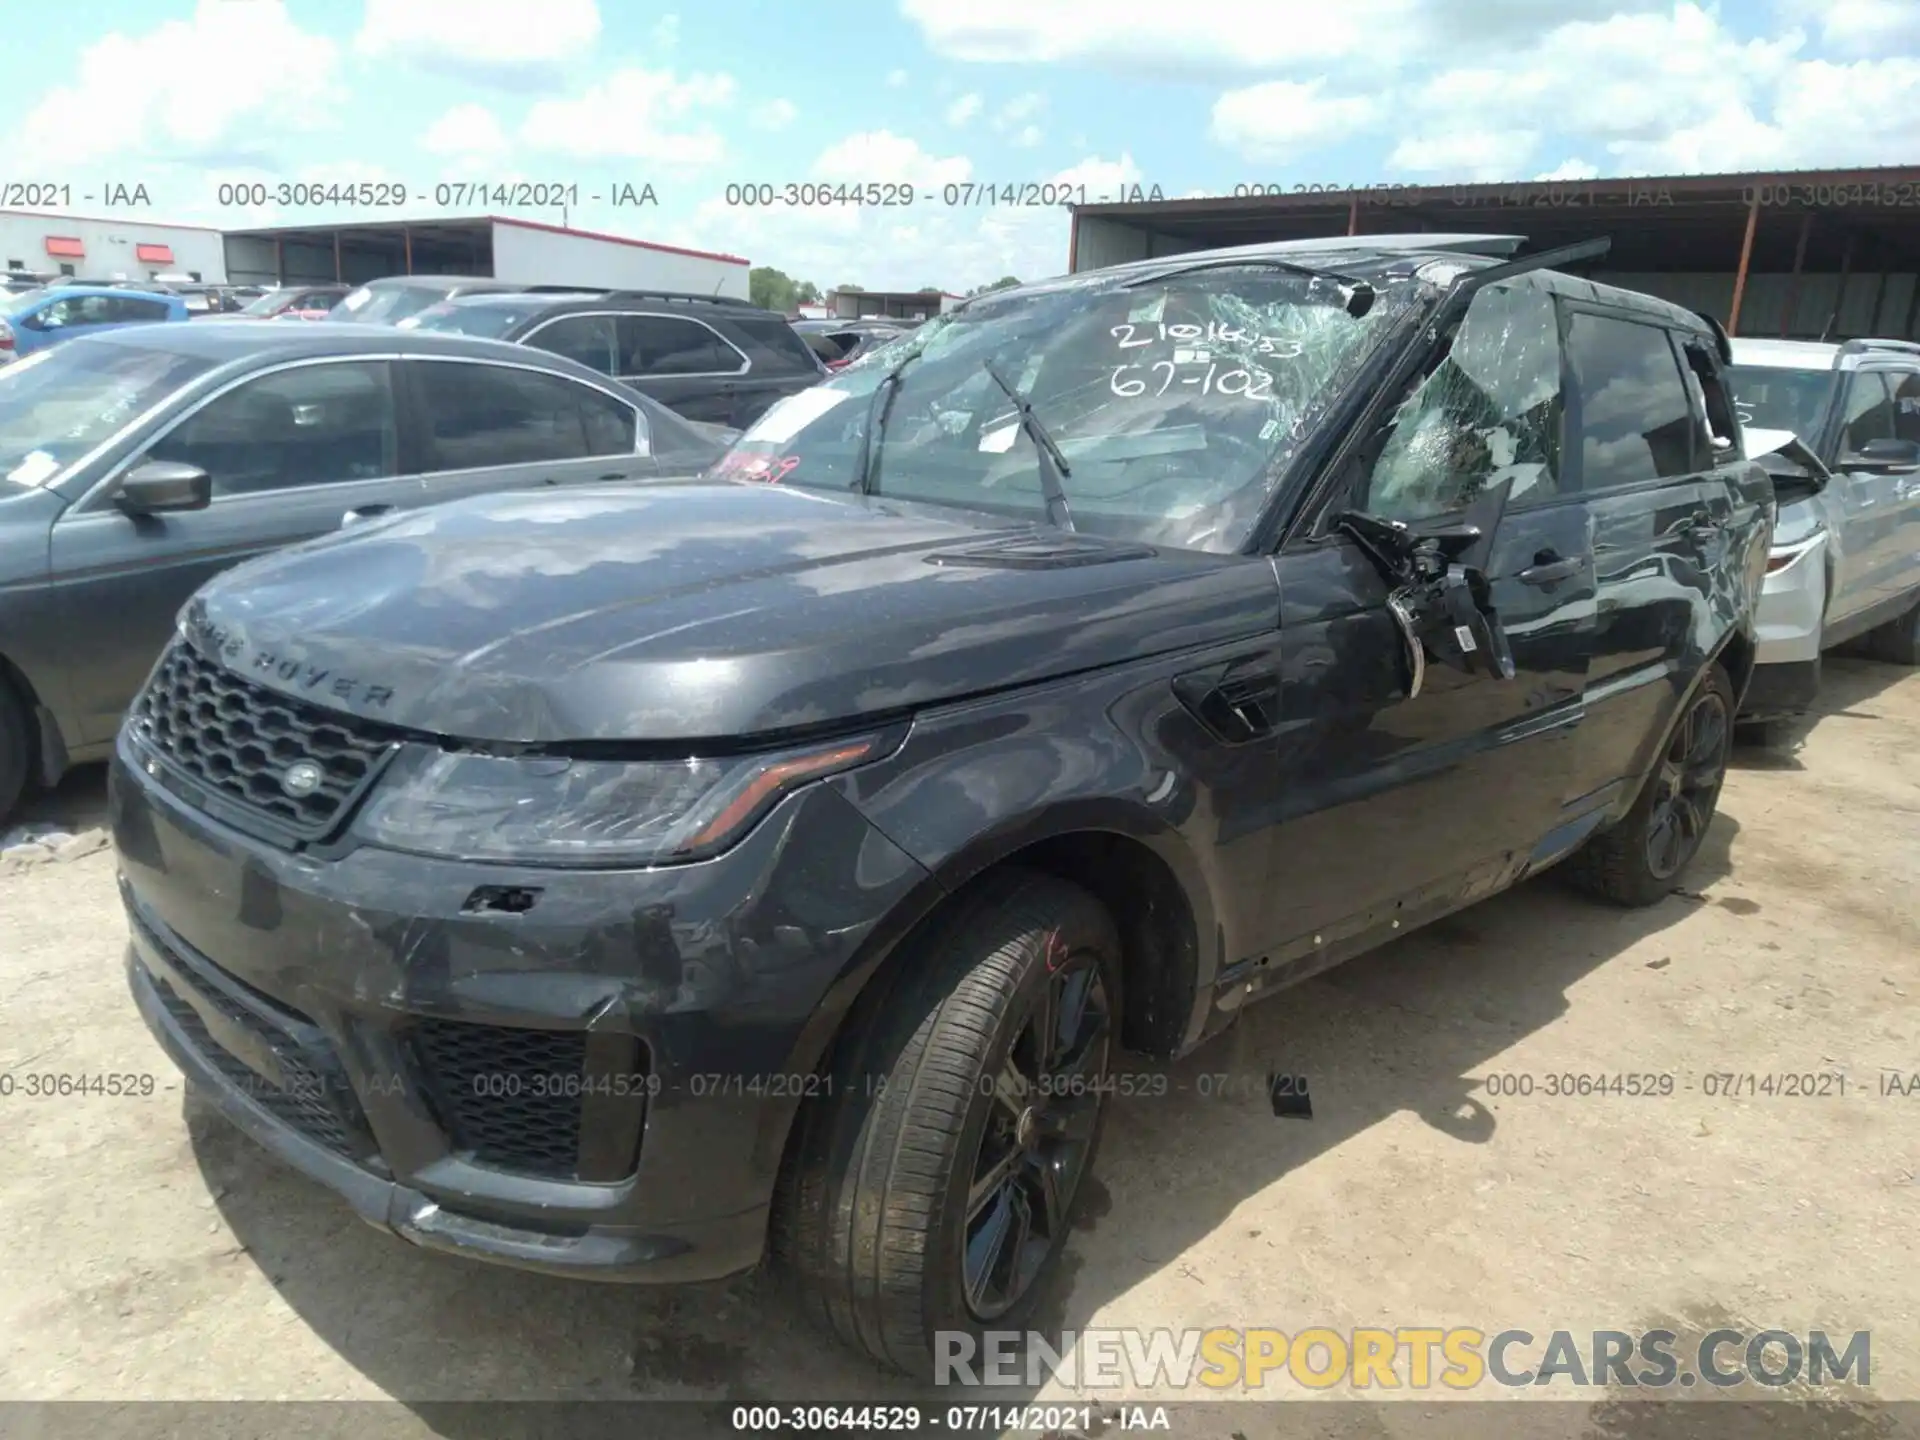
[[1400, 1029], [1850, 687]]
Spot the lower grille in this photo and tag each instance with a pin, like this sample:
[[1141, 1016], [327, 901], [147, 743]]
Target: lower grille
[[311, 1101], [301, 1103], [512, 1097]]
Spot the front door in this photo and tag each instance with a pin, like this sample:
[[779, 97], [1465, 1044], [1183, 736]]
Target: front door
[[1401, 805], [289, 453]]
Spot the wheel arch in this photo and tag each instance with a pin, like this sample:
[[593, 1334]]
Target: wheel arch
[[1127, 857]]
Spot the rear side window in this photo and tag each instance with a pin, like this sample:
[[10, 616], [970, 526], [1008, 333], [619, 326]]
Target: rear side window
[[780, 343], [584, 339], [669, 345], [131, 310], [1636, 418], [313, 425], [477, 416], [1906, 406]]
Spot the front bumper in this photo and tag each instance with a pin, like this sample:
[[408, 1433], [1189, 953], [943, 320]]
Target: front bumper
[[599, 1084]]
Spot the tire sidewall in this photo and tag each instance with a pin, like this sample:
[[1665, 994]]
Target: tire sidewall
[[16, 758], [1086, 928], [1717, 682]]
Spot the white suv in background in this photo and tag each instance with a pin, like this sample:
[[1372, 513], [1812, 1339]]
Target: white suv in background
[[1838, 425]]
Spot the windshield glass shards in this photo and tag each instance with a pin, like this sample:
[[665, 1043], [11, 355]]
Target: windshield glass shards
[[1173, 405]]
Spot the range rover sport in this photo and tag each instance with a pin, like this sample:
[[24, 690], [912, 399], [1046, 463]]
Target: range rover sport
[[632, 883]]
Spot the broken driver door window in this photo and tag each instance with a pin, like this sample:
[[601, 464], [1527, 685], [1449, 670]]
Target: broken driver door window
[[1488, 413]]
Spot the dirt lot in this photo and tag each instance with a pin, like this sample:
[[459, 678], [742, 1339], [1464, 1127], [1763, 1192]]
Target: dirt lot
[[156, 1254]]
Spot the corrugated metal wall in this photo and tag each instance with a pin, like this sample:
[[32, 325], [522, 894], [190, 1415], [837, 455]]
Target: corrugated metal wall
[[1873, 304]]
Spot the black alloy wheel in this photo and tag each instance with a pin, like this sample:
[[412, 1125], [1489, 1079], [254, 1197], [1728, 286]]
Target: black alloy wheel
[[1687, 785], [1046, 1104]]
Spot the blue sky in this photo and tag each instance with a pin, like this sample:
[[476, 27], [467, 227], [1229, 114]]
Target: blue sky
[[1194, 98]]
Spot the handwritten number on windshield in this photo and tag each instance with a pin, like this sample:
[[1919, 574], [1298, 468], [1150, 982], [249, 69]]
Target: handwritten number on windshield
[[1253, 384]]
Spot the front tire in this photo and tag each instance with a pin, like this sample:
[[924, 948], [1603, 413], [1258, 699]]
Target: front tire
[[932, 1189], [1898, 641], [1639, 860], [16, 748]]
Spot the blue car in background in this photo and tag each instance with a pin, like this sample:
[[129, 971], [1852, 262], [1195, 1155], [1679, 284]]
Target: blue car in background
[[34, 319]]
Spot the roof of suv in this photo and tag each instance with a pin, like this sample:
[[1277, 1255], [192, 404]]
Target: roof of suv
[[220, 340], [1374, 256], [1818, 354]]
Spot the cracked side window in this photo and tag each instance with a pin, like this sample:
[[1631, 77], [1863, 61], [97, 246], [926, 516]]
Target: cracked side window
[[1490, 411]]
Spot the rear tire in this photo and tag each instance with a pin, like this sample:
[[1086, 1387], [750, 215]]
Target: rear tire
[[1639, 860], [16, 748], [1898, 641], [929, 1190]]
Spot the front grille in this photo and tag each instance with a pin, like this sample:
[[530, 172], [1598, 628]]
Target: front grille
[[310, 1101], [511, 1097], [239, 739]]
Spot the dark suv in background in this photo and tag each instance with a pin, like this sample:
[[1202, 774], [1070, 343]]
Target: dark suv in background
[[718, 360], [632, 882]]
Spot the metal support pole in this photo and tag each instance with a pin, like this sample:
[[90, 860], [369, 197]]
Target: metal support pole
[[1353, 216], [1840, 293], [1746, 258], [1791, 313], [279, 261], [336, 255], [406, 237]]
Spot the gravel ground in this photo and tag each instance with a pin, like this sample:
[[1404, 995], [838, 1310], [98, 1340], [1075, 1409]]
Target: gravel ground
[[158, 1255]]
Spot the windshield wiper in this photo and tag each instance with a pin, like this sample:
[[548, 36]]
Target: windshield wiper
[[878, 409], [1053, 464]]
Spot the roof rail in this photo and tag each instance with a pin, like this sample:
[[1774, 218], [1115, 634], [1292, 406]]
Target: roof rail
[[1855, 347], [676, 296]]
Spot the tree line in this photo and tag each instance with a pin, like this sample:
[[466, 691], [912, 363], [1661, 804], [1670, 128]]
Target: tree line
[[776, 290]]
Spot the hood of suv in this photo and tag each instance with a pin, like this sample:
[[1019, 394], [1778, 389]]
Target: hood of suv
[[695, 611]]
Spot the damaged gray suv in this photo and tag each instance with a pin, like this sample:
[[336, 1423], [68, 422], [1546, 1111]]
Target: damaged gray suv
[[637, 882]]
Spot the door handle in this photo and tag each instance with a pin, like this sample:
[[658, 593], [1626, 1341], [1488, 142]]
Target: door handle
[[364, 512], [1550, 568]]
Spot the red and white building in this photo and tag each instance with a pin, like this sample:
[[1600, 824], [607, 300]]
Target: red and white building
[[104, 248]]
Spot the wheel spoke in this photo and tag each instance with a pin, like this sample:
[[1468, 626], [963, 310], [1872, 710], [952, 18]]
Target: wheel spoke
[[1010, 1088], [1659, 837], [1040, 1027], [1709, 737], [986, 1247], [993, 1180], [1074, 995], [1045, 1184]]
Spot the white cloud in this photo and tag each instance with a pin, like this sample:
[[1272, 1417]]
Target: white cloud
[[666, 32], [151, 96], [497, 41], [886, 157], [1572, 168], [964, 109], [896, 78], [1028, 137], [1465, 154], [1282, 118], [775, 114], [1235, 37], [636, 114], [468, 131], [1866, 28]]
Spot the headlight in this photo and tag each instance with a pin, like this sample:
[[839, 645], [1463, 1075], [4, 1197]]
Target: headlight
[[541, 810]]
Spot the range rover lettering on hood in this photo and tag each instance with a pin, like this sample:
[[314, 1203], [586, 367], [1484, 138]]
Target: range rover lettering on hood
[[291, 673], [684, 613]]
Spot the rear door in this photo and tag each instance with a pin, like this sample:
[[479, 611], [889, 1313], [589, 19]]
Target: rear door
[[1867, 498], [779, 364], [1667, 512], [480, 426], [289, 451], [1903, 567], [682, 362], [1394, 803]]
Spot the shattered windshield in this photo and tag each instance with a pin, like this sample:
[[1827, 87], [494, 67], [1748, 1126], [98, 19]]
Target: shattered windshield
[[1175, 405], [1770, 397]]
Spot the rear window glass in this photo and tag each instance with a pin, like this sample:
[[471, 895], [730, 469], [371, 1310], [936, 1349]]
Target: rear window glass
[[489, 322]]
